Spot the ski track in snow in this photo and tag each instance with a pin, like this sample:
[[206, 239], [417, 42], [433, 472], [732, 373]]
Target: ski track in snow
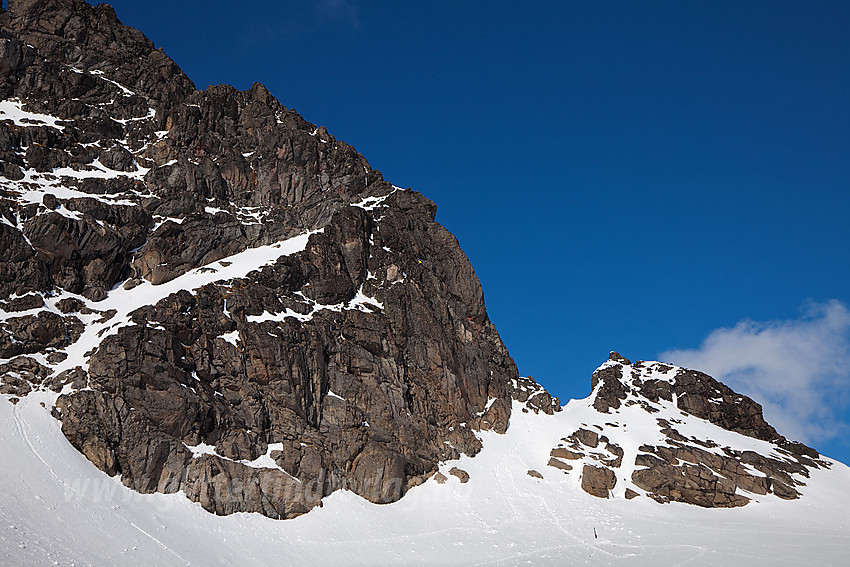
[[22, 428], [159, 543]]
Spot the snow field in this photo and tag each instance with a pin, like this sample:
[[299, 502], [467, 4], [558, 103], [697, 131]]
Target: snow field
[[56, 508]]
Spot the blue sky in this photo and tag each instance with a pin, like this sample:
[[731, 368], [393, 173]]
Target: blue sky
[[653, 178]]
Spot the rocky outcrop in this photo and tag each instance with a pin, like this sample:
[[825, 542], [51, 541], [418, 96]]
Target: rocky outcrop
[[461, 474], [359, 362], [597, 481], [685, 467], [559, 464], [695, 393], [609, 379], [533, 396]]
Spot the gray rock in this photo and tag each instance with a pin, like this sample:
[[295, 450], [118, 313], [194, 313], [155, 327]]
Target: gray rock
[[118, 158]]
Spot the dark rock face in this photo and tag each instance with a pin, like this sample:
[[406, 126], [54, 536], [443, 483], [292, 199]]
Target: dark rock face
[[29, 334], [359, 363], [66, 31], [356, 398]]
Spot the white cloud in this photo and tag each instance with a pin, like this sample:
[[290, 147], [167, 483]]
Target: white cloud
[[799, 370]]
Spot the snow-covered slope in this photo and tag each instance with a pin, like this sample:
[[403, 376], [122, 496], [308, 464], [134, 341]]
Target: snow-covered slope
[[57, 508]]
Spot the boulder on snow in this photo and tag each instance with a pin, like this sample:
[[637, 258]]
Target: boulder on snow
[[461, 474], [597, 481]]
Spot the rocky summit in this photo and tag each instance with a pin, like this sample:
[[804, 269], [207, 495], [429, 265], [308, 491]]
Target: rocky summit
[[674, 434], [227, 301]]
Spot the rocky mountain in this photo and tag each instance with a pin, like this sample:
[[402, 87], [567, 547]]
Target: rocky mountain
[[214, 284], [215, 297], [674, 434]]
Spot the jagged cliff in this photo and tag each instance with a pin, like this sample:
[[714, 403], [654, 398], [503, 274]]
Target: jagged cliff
[[359, 358]]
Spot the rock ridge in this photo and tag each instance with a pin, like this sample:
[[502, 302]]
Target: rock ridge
[[693, 458]]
